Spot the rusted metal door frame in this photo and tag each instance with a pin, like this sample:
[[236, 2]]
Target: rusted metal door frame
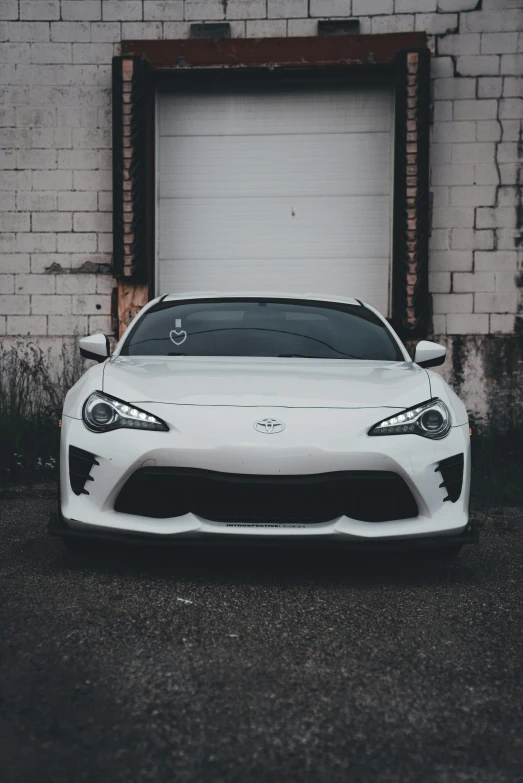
[[405, 55]]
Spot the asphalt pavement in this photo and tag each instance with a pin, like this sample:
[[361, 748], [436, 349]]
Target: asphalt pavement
[[213, 665]]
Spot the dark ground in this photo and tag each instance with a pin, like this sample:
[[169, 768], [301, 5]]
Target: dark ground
[[213, 665]]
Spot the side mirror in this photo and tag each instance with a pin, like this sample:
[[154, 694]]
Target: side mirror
[[429, 354], [96, 347]]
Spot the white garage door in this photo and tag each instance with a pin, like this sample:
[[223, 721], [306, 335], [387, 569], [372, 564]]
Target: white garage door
[[276, 189]]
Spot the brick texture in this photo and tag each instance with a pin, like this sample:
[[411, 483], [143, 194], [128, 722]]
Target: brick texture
[[55, 140]]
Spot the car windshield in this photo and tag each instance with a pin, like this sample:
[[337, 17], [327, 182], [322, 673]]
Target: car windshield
[[261, 327]]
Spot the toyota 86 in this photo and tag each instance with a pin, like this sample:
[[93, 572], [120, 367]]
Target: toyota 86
[[282, 419]]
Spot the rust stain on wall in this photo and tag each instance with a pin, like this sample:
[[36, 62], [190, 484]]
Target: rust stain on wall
[[294, 52], [127, 76], [131, 298], [411, 183]]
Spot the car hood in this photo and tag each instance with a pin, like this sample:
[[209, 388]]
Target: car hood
[[290, 383]]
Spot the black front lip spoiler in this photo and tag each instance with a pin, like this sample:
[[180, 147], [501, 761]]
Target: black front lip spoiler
[[58, 527]]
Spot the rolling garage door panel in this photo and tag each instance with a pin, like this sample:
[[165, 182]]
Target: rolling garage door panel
[[284, 190], [276, 109], [253, 166]]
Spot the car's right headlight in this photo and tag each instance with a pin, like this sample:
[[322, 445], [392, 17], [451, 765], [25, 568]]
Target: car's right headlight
[[102, 413], [429, 419]]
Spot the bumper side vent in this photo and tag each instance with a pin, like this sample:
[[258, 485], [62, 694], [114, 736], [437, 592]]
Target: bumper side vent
[[451, 470], [80, 464]]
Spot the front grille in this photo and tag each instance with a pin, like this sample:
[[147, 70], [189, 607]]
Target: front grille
[[80, 464], [451, 470], [371, 496]]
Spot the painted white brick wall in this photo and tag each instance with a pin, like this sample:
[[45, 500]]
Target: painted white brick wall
[[55, 139]]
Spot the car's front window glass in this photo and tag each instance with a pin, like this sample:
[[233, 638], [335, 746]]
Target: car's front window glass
[[261, 327]]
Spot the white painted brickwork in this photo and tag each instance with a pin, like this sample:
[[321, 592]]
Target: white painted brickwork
[[55, 146]]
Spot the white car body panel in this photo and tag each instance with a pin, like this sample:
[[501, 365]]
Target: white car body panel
[[211, 405], [288, 383]]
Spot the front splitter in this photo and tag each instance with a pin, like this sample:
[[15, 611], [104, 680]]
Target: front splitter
[[58, 527]]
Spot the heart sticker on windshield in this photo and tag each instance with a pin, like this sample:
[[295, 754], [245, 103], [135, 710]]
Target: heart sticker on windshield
[[178, 337]]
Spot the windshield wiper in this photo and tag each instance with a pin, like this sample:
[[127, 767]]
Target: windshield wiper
[[306, 356], [303, 356]]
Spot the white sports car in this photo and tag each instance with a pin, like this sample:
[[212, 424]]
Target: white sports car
[[264, 418]]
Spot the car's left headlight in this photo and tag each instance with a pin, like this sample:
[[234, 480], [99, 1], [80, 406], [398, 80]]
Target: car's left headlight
[[102, 413], [429, 419]]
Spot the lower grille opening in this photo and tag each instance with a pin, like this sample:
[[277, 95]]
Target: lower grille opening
[[80, 464], [451, 470], [370, 496]]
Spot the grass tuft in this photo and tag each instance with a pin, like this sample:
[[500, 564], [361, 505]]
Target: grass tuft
[[497, 467], [31, 399]]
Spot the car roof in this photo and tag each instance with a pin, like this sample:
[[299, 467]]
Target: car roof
[[259, 294]]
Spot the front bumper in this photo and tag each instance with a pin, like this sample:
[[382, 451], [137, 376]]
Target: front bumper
[[200, 439], [58, 527]]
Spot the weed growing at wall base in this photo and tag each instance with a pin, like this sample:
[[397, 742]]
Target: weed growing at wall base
[[497, 467], [32, 390]]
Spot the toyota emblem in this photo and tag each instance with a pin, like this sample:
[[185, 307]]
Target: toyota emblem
[[269, 426]]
